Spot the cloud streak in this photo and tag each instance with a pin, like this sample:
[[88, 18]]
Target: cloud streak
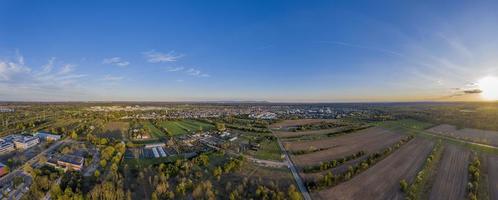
[[117, 61], [153, 56]]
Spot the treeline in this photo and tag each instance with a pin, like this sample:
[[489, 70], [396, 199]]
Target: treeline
[[333, 163], [351, 130], [413, 191], [306, 151], [331, 179], [474, 173], [318, 126]]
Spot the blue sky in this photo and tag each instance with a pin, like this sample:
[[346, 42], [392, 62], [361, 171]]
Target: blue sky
[[292, 51]]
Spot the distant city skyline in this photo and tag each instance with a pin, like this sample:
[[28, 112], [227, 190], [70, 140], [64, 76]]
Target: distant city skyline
[[277, 51]]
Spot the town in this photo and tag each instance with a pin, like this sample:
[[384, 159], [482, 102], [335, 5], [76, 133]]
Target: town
[[73, 150]]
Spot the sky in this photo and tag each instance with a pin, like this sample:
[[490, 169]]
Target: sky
[[279, 51]]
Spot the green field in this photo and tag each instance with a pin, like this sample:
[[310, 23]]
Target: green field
[[183, 127], [269, 151], [153, 130]]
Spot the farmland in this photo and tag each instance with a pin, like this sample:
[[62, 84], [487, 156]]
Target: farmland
[[367, 140], [474, 135], [374, 183], [451, 178], [492, 166], [286, 124], [294, 134]]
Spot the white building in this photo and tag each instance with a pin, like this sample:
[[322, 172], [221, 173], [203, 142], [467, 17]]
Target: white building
[[153, 145], [26, 142], [6, 147], [47, 136]]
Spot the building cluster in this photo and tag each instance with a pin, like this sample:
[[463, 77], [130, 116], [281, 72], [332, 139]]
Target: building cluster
[[264, 115], [66, 162], [21, 142], [157, 149]]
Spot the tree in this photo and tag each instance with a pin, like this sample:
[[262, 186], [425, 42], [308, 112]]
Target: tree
[[96, 173], [74, 135], [217, 172], [103, 163], [293, 193], [404, 185], [220, 127]]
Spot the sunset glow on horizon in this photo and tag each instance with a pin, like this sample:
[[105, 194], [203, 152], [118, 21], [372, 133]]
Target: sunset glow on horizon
[[489, 88]]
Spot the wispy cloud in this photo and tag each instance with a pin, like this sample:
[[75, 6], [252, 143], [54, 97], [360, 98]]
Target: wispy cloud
[[196, 72], [174, 69], [112, 78], [189, 71], [17, 79], [153, 56], [66, 69], [118, 61]]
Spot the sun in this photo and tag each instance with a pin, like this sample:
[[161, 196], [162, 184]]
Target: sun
[[489, 87]]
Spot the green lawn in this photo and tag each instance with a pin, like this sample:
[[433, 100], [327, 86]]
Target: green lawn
[[269, 151], [154, 131], [183, 127]]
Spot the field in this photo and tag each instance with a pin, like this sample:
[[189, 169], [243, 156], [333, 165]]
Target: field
[[474, 135], [292, 123], [292, 134], [183, 127], [368, 140], [451, 177], [269, 151], [381, 181], [115, 130], [492, 166], [153, 130]]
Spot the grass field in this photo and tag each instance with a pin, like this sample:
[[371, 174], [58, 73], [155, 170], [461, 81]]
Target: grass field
[[183, 127], [269, 151], [115, 130], [153, 130]]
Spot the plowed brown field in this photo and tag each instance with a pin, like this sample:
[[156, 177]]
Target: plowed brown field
[[368, 140], [381, 181], [451, 178], [474, 135]]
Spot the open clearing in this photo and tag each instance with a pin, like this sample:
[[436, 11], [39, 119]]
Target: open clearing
[[492, 165], [115, 130], [451, 177], [474, 135], [368, 140], [381, 181]]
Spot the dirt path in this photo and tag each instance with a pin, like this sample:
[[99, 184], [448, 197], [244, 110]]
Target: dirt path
[[451, 178]]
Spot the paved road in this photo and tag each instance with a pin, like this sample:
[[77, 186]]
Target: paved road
[[295, 173]]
